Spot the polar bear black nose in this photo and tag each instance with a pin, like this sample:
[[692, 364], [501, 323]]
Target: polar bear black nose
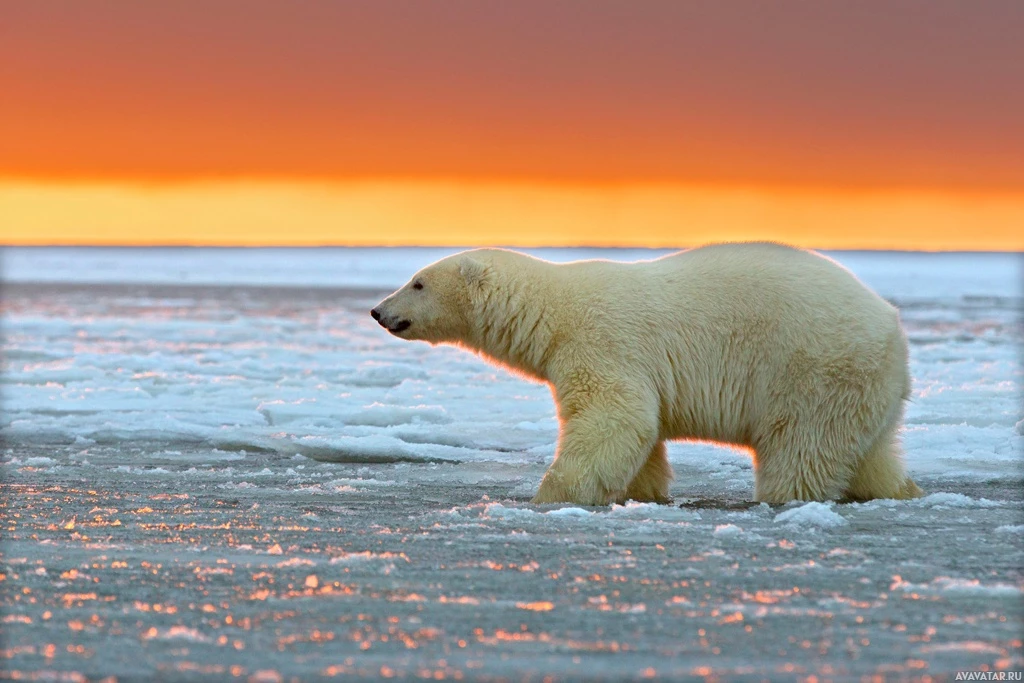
[[375, 314]]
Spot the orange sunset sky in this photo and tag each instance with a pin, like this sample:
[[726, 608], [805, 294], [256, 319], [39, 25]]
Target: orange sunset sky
[[874, 124]]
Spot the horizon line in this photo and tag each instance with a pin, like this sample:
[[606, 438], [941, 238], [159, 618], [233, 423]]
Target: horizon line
[[254, 247]]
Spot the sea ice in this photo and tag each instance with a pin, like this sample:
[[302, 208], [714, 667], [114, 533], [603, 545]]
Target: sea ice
[[193, 436]]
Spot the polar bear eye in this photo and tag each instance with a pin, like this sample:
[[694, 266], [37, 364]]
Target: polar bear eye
[[417, 285]]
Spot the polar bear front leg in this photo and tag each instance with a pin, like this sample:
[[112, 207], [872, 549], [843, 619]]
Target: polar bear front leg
[[600, 451]]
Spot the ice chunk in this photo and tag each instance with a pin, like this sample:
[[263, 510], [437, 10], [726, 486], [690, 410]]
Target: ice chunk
[[569, 512], [950, 585], [811, 515], [955, 500]]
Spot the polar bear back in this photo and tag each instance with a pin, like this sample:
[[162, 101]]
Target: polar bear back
[[732, 334]]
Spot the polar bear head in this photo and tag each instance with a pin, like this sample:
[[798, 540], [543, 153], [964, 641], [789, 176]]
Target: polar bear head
[[436, 304]]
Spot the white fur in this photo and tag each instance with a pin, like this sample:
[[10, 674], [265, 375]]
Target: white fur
[[762, 345]]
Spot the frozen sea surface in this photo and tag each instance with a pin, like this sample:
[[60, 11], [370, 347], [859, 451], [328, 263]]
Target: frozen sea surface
[[216, 465]]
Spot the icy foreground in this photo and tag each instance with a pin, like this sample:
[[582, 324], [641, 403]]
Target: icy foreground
[[216, 465]]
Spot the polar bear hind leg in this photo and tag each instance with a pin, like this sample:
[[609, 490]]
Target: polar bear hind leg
[[799, 474], [880, 473], [650, 485], [798, 462]]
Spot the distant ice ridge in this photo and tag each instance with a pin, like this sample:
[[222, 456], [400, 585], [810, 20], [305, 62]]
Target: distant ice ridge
[[355, 267], [908, 275]]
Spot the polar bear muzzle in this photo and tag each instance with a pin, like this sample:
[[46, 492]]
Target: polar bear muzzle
[[393, 326]]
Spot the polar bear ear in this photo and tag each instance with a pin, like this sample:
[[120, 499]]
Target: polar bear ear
[[472, 270]]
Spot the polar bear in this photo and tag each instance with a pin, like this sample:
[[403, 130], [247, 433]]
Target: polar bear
[[762, 345]]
